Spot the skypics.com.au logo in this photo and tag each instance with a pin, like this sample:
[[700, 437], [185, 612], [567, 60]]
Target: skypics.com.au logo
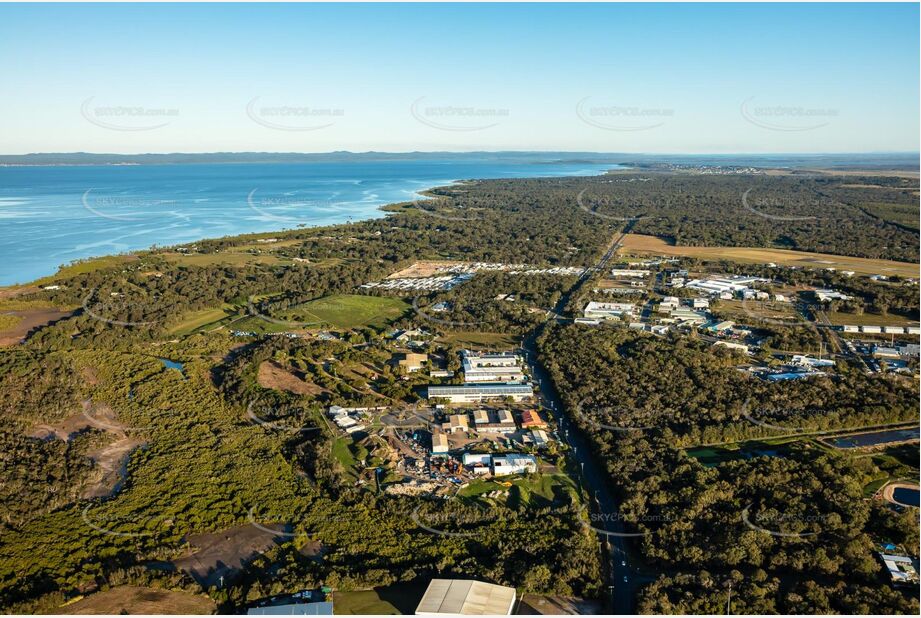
[[127, 117]]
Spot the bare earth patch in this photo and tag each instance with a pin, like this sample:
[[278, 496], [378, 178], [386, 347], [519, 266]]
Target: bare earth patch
[[533, 604], [223, 554], [640, 243], [111, 467], [30, 319], [111, 460], [425, 268], [140, 600], [273, 375]]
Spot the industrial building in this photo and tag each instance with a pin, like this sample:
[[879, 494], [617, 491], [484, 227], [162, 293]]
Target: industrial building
[[608, 311], [532, 419], [464, 597], [320, 608], [824, 295], [475, 393], [513, 463], [626, 272], [903, 571], [412, 362], [494, 422], [440, 444], [885, 352], [477, 459], [456, 423], [481, 368], [720, 285], [683, 314]]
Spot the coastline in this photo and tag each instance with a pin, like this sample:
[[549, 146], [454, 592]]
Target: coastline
[[380, 208]]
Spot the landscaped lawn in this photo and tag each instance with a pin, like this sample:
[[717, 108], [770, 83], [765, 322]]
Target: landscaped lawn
[[389, 600], [538, 492], [870, 319], [343, 454], [196, 319], [474, 340], [349, 311]]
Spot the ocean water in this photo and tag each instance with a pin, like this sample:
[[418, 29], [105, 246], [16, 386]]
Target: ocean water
[[51, 216]]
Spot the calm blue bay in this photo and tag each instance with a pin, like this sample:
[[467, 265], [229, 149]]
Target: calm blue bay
[[51, 216]]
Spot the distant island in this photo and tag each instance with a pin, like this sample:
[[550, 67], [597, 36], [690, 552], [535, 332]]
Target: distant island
[[874, 161]]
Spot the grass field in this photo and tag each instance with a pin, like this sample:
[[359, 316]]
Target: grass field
[[8, 322], [768, 447], [139, 600], [525, 492], [194, 320], [740, 311], [476, 340], [86, 266], [387, 600], [638, 243], [349, 311], [342, 451], [871, 319]]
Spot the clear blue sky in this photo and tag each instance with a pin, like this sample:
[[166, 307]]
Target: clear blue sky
[[627, 78]]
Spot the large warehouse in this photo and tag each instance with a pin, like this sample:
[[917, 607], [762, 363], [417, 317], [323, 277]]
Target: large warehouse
[[466, 597], [472, 393]]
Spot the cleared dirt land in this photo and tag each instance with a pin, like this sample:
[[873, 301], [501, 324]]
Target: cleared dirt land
[[220, 555], [638, 243], [140, 600], [26, 321], [273, 375]]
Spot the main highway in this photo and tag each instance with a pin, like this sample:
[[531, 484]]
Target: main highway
[[622, 581]]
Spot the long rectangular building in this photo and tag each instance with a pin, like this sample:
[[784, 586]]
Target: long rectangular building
[[472, 393]]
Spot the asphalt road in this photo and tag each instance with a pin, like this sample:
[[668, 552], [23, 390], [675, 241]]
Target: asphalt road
[[605, 508], [621, 581]]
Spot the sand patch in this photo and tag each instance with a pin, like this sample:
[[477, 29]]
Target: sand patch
[[272, 375]]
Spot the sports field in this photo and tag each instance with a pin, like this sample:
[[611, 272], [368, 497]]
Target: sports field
[[639, 243], [349, 311]]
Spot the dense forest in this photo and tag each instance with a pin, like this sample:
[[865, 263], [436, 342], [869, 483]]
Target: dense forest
[[199, 463], [645, 402]]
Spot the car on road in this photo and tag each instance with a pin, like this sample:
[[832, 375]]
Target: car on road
[[623, 563], [625, 579]]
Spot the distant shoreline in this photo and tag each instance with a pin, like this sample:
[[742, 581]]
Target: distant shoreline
[[899, 161], [385, 206]]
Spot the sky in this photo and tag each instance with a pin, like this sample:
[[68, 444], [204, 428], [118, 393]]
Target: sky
[[651, 78]]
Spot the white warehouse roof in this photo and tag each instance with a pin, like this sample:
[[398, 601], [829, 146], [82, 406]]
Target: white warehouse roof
[[466, 597]]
